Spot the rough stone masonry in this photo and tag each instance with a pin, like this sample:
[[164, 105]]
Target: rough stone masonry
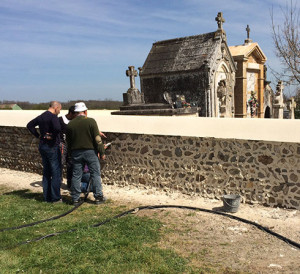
[[261, 172]]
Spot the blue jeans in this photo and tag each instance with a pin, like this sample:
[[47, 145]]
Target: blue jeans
[[85, 182], [51, 159], [80, 157]]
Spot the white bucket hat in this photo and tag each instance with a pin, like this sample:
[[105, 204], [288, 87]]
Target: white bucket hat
[[79, 107]]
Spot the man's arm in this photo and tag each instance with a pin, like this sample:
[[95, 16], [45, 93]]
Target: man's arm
[[32, 127], [100, 147], [98, 141]]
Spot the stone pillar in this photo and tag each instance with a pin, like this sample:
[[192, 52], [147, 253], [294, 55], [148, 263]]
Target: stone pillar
[[278, 102], [277, 112], [291, 107]]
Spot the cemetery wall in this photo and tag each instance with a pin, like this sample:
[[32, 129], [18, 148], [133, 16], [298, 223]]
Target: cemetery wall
[[262, 171]]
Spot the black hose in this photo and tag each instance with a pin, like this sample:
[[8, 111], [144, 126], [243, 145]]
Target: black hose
[[41, 221], [47, 220], [265, 229]]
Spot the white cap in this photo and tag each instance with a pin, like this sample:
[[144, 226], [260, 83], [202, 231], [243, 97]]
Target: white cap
[[79, 107]]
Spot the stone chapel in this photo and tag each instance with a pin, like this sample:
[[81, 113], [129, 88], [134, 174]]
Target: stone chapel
[[250, 79], [198, 68]]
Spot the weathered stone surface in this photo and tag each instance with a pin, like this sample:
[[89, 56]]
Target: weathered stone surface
[[144, 150], [156, 152], [188, 153], [264, 159], [234, 171], [294, 177], [178, 152], [167, 153]]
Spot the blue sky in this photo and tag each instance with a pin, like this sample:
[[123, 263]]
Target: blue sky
[[80, 49]]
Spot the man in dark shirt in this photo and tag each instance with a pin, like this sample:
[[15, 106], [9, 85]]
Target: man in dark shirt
[[65, 160], [49, 135], [84, 144]]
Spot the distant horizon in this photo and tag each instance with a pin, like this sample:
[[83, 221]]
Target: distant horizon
[[63, 102]]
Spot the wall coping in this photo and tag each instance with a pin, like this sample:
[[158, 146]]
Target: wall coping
[[279, 130]]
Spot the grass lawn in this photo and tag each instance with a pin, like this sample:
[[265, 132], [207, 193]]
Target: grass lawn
[[129, 244]]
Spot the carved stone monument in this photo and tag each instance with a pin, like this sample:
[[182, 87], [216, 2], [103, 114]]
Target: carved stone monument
[[291, 107], [133, 95], [222, 96], [278, 102]]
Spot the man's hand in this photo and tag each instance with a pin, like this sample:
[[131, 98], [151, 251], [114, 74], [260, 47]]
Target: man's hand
[[48, 136], [103, 157], [102, 134]]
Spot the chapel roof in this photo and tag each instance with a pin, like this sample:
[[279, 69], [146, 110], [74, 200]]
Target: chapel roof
[[180, 54], [246, 50]]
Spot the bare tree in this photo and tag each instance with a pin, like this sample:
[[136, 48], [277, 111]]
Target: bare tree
[[286, 38]]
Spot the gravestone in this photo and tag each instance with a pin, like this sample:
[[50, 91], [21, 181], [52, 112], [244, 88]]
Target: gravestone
[[291, 107], [133, 95], [134, 104]]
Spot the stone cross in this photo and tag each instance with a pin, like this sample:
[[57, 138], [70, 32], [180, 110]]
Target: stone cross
[[131, 72], [279, 87], [292, 106], [248, 32], [220, 20]]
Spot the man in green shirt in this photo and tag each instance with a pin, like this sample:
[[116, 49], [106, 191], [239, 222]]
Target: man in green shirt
[[84, 144]]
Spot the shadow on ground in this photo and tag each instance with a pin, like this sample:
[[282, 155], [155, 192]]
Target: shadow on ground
[[40, 184], [27, 194]]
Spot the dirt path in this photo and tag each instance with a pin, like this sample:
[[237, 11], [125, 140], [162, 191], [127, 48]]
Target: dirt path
[[215, 239]]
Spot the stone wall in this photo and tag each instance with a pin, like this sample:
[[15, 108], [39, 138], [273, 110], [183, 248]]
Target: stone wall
[[19, 150], [260, 171]]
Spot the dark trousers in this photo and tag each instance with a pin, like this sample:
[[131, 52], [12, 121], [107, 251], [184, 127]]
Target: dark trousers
[[51, 159]]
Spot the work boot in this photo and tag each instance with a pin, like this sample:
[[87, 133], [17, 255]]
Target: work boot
[[100, 200], [76, 202]]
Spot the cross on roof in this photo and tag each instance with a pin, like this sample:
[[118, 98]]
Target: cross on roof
[[131, 72], [248, 32], [220, 20]]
